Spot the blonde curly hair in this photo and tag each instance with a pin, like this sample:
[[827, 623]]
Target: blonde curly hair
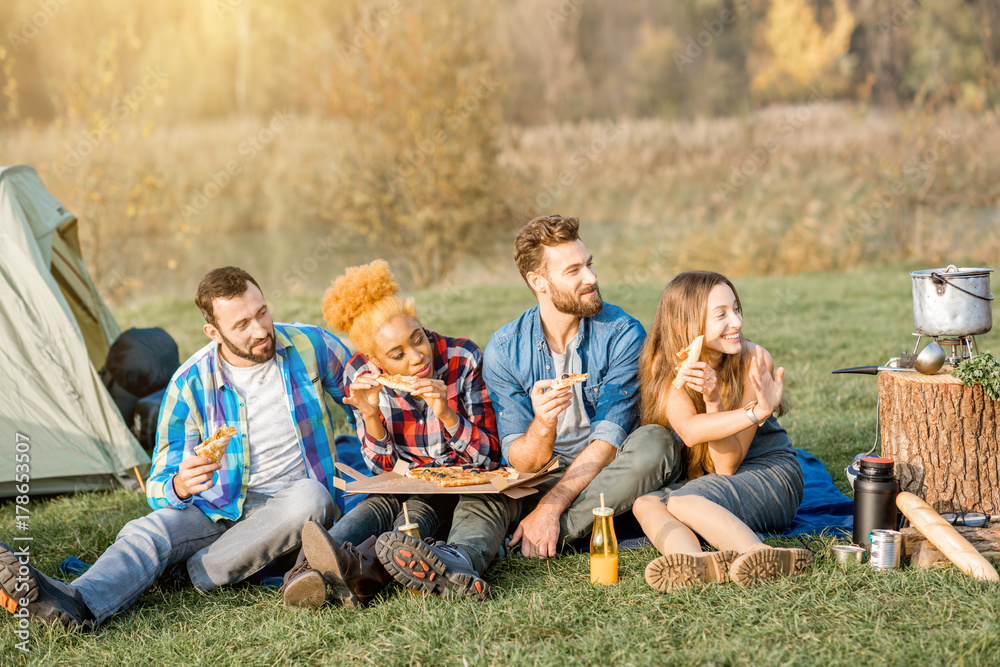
[[363, 299]]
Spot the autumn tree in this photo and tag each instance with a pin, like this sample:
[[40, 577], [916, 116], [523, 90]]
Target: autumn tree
[[424, 101]]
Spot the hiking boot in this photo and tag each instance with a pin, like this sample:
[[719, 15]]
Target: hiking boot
[[302, 586], [354, 573], [175, 578], [430, 566], [674, 571], [49, 600], [769, 564]]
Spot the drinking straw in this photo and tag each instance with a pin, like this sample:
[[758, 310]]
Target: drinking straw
[[406, 513]]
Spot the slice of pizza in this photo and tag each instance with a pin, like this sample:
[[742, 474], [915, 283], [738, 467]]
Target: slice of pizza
[[688, 356], [432, 473], [569, 379], [397, 381], [215, 446], [452, 476]]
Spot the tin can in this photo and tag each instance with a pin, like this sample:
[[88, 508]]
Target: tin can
[[886, 549], [603, 548], [848, 555]]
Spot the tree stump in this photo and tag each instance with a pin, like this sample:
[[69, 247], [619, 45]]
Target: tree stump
[[985, 539], [943, 437]]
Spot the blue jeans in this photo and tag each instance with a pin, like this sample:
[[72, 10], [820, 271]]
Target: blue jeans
[[217, 553], [379, 514], [649, 459]]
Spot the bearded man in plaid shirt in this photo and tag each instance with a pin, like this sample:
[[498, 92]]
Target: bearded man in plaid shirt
[[218, 523]]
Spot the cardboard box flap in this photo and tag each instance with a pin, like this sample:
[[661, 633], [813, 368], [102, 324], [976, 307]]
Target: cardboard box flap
[[349, 471], [501, 484]]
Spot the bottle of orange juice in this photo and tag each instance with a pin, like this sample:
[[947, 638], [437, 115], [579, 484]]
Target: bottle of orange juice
[[603, 547]]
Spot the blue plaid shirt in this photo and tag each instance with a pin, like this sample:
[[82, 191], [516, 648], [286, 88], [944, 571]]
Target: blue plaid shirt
[[199, 401]]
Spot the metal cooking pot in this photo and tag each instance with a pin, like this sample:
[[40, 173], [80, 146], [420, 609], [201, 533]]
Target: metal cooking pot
[[952, 302]]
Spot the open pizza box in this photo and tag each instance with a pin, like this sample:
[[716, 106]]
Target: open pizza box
[[397, 482]]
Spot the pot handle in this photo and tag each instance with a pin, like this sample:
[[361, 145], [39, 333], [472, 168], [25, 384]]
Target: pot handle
[[938, 278]]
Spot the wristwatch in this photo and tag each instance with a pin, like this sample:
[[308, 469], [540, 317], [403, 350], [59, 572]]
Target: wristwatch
[[751, 416]]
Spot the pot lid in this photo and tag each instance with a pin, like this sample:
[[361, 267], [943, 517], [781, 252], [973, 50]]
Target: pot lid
[[954, 271]]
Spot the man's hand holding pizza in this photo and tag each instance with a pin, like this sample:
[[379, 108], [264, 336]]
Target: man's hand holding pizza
[[548, 405], [194, 475]]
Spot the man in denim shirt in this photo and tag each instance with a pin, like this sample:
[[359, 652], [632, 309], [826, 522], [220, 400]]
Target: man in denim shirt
[[587, 425]]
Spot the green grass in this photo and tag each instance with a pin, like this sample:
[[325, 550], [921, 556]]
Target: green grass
[[546, 613]]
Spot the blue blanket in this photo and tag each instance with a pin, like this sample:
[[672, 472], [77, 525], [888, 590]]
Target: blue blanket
[[824, 508]]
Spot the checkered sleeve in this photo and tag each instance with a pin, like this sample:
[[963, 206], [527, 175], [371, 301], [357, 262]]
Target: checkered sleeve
[[380, 455], [474, 438], [177, 432]]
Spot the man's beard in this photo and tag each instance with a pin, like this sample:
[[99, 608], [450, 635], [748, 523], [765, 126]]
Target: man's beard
[[248, 353], [573, 304]]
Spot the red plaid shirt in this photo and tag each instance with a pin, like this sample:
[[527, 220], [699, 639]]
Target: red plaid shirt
[[414, 434]]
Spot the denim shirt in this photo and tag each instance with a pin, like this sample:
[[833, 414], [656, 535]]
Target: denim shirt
[[608, 346]]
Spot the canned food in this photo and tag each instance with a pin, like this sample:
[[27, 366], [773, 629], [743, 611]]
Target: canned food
[[886, 549], [848, 555]]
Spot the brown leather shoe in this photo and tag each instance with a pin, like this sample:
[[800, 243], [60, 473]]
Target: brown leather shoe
[[303, 587], [355, 574]]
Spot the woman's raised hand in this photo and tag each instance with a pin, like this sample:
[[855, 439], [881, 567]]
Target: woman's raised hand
[[768, 390], [364, 394]]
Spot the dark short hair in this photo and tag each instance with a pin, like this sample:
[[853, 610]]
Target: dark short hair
[[547, 230], [223, 283]]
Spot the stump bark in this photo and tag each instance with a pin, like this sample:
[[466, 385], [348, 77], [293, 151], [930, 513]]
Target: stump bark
[[943, 437]]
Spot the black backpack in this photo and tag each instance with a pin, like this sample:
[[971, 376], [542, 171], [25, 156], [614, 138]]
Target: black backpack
[[140, 365]]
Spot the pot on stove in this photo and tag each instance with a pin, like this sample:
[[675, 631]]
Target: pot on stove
[[952, 302]]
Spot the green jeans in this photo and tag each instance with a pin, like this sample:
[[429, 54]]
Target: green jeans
[[648, 460]]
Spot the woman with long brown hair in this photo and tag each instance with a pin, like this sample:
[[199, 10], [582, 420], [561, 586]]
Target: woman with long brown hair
[[742, 475]]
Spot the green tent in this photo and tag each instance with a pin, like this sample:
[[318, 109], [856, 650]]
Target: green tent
[[55, 331]]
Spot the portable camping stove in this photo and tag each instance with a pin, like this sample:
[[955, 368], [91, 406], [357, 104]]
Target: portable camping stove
[[962, 347]]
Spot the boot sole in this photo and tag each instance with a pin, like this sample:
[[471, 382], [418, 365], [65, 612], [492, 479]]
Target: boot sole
[[307, 590], [413, 564], [38, 611], [319, 553], [9, 597], [673, 571], [769, 565]]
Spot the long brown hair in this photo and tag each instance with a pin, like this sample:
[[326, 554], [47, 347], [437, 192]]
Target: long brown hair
[[685, 302]]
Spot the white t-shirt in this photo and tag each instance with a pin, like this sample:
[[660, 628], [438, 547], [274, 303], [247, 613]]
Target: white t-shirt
[[275, 459], [573, 427]]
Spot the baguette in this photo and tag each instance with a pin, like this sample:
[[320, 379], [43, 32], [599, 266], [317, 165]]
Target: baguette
[[942, 535]]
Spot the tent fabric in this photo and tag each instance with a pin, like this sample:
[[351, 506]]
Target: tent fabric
[[54, 328]]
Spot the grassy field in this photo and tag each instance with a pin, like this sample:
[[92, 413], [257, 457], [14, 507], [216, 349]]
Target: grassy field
[[546, 613]]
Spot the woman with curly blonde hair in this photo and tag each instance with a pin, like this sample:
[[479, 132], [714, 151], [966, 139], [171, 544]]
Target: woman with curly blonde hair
[[742, 474], [445, 419]]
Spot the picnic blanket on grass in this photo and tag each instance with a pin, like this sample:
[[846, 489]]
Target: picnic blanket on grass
[[824, 509]]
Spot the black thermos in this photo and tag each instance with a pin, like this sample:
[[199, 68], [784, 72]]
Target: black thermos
[[875, 490]]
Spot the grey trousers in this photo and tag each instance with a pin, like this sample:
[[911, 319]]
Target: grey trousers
[[217, 553], [648, 460]]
